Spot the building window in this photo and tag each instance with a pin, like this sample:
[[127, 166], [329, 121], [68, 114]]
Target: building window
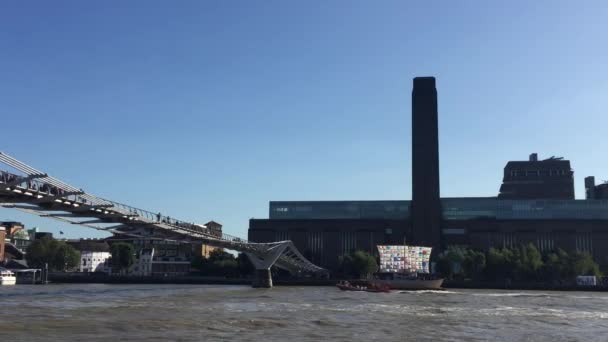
[[509, 240], [315, 243], [584, 243], [453, 231], [545, 242], [281, 235], [348, 242]]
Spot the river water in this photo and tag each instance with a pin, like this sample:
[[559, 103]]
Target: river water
[[95, 312]]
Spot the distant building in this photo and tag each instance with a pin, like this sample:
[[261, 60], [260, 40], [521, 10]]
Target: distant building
[[21, 239], [94, 262], [145, 259], [2, 238], [593, 191], [204, 250], [43, 235], [426, 204], [94, 255], [160, 257], [12, 227], [535, 205], [14, 241], [551, 178]]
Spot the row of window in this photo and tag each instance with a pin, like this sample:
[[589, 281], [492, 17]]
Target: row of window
[[343, 209], [348, 241], [551, 172], [453, 208], [315, 243], [546, 242]]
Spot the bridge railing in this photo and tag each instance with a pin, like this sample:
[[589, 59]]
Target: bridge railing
[[158, 217], [64, 192], [50, 194]]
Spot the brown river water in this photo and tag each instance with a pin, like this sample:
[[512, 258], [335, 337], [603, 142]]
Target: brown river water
[[96, 312]]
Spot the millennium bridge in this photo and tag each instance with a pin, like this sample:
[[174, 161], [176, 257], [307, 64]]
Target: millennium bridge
[[29, 190]]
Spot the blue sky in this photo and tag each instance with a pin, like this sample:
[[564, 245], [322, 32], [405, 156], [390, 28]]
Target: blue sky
[[209, 109]]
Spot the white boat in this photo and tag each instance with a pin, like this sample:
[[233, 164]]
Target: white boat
[[7, 277]]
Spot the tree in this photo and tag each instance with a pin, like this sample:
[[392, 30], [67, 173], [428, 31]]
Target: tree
[[583, 264], [359, 264], [555, 265], [528, 263], [500, 263], [245, 266], [66, 257], [123, 256], [219, 263], [37, 253], [444, 267], [58, 255], [461, 262], [449, 262], [473, 264]]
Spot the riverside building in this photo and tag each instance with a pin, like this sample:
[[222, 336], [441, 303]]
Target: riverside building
[[535, 205]]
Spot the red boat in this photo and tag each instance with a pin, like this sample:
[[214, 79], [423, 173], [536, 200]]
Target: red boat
[[346, 286]]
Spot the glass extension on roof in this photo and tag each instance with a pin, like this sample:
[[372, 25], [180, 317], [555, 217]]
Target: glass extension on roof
[[453, 209], [340, 210], [471, 208]]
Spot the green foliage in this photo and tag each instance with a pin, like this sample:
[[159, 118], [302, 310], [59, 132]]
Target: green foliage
[[473, 264], [123, 256], [461, 262], [523, 263], [530, 262], [37, 253], [358, 264], [444, 267], [583, 264], [245, 266], [556, 266], [66, 257], [57, 254], [220, 263]]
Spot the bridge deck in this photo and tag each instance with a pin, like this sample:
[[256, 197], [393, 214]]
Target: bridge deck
[[37, 193]]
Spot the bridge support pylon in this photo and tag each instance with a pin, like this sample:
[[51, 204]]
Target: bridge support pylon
[[262, 263], [262, 279]]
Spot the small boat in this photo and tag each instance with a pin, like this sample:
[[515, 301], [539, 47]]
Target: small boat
[[346, 286], [7, 277]]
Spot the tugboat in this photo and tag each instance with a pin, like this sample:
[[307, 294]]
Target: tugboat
[[7, 277], [406, 268]]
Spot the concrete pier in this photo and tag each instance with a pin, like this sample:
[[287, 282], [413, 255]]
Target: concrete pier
[[262, 279]]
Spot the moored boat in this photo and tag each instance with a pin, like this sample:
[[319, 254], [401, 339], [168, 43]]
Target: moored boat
[[406, 268], [413, 284], [7, 277]]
